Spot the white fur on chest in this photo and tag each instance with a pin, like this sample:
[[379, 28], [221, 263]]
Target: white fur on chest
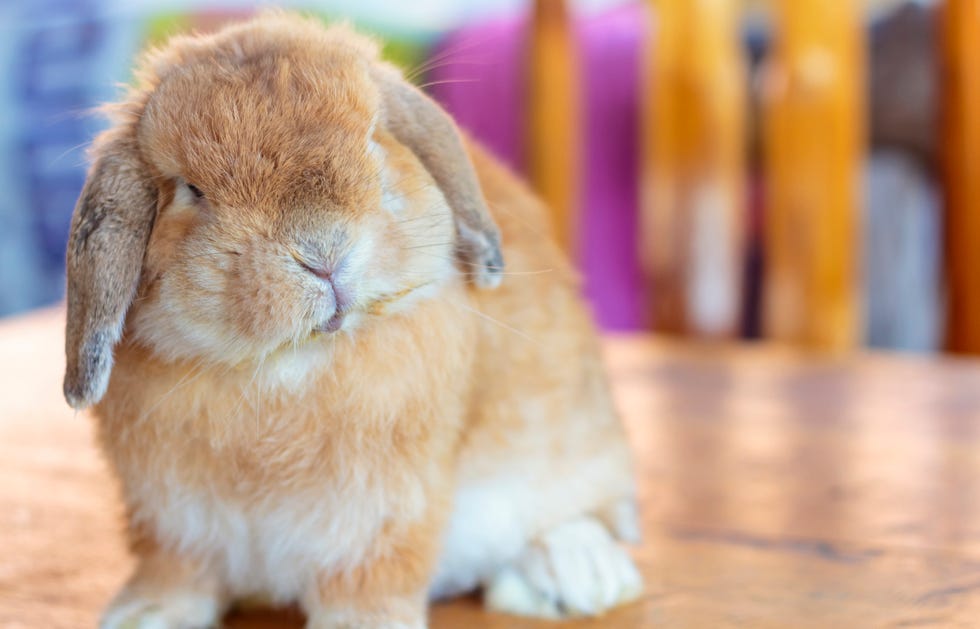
[[276, 547]]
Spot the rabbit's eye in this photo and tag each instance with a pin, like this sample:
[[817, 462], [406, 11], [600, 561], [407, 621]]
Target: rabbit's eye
[[195, 191]]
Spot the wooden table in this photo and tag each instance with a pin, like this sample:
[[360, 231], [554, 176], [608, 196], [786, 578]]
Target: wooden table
[[778, 491]]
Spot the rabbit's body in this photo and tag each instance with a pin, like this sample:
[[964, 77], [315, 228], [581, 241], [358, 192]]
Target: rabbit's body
[[355, 431], [544, 443]]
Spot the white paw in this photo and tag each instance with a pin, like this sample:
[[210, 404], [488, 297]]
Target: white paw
[[334, 620], [623, 520], [175, 612], [576, 569]]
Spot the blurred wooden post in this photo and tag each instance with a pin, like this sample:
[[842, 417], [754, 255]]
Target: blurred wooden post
[[814, 135], [554, 123], [961, 155], [693, 179]]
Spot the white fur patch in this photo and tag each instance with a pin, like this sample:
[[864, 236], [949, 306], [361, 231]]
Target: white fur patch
[[485, 533], [495, 518], [275, 548], [292, 368], [333, 620]]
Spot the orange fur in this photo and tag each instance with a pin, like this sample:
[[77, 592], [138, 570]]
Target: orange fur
[[265, 458]]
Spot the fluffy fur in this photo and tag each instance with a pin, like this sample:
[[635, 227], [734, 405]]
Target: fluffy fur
[[285, 259]]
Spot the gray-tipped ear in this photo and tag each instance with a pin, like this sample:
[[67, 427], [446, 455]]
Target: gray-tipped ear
[[109, 232], [420, 124]]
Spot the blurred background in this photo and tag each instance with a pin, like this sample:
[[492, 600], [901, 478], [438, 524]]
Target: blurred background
[[799, 170]]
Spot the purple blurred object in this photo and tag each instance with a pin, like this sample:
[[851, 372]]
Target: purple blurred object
[[478, 75], [610, 45]]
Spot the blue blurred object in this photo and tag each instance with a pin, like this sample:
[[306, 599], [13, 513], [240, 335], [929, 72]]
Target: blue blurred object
[[61, 62], [902, 255]]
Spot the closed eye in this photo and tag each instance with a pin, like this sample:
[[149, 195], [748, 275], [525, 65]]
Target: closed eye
[[195, 191]]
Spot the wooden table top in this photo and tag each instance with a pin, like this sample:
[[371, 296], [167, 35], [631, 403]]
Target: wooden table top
[[778, 491]]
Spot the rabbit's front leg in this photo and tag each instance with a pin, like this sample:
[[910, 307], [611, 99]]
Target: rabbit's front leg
[[168, 591], [388, 591]]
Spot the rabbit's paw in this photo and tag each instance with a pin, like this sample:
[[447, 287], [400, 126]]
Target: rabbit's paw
[[183, 611], [349, 620], [576, 569]]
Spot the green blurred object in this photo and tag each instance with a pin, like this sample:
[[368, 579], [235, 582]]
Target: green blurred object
[[407, 51], [162, 26]]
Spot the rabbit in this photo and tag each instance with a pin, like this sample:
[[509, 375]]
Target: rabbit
[[310, 373]]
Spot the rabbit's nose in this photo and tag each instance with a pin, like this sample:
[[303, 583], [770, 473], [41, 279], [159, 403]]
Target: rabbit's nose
[[341, 306], [334, 323], [334, 292]]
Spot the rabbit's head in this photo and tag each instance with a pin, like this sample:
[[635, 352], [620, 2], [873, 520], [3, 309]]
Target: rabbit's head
[[262, 185]]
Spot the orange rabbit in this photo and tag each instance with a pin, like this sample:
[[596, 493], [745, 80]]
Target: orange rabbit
[[283, 303]]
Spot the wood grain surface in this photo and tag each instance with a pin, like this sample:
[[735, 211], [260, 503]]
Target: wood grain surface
[[778, 491]]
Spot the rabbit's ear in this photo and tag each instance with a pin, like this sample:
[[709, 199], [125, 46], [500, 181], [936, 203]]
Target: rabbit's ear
[[420, 124], [109, 233]]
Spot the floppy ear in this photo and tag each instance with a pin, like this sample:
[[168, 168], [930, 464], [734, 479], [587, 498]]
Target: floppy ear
[[420, 124], [109, 232]]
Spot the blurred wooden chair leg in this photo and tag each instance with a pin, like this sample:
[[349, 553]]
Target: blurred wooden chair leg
[[814, 137], [554, 119], [693, 177], [960, 37]]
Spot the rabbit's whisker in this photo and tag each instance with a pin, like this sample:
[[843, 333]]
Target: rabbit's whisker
[[185, 380], [448, 81], [430, 245], [446, 56], [505, 326]]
